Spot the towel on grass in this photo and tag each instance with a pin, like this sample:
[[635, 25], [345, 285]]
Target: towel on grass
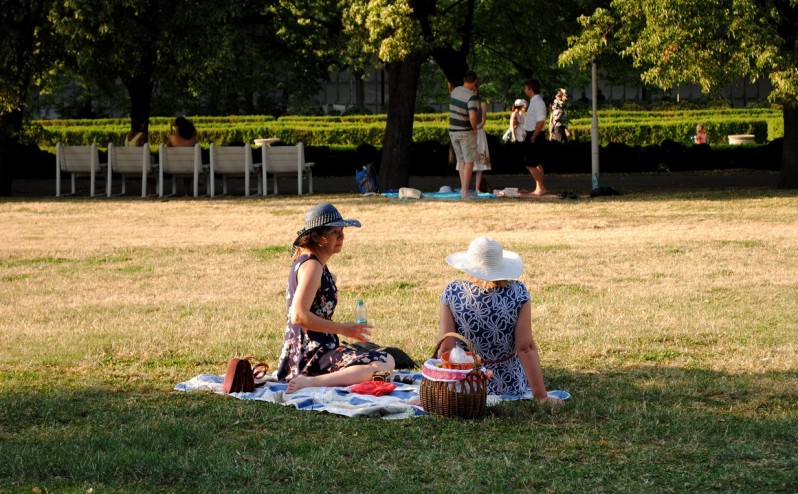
[[403, 402], [442, 195]]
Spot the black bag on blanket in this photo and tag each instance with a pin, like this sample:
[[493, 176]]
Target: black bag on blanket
[[402, 359], [240, 376]]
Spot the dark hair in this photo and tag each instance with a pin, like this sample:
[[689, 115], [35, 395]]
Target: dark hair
[[534, 85], [470, 77], [312, 240], [185, 128]]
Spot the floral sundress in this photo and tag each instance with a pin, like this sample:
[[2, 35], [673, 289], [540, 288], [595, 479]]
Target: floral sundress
[[487, 319], [313, 352]]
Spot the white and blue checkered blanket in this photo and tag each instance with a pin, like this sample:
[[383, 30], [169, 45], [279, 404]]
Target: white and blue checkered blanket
[[403, 402]]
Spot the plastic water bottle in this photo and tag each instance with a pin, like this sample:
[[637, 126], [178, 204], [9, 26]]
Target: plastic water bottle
[[360, 313]]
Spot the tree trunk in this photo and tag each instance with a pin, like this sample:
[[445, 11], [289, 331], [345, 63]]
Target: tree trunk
[[139, 88], [360, 89], [10, 128], [402, 86], [19, 63], [789, 153]]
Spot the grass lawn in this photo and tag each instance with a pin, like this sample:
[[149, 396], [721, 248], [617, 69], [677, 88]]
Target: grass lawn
[[672, 321]]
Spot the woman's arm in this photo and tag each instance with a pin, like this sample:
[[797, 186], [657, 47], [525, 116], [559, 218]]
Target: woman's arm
[[483, 110], [308, 283], [528, 352], [445, 325]]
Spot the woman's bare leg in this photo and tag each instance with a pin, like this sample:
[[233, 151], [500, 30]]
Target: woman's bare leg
[[465, 179], [345, 377]]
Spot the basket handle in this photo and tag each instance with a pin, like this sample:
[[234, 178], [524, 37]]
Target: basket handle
[[477, 364]]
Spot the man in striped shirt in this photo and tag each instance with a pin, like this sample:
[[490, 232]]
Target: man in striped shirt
[[463, 111]]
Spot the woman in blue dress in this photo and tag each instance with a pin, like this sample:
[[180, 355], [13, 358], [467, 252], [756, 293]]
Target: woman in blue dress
[[492, 310], [312, 354]]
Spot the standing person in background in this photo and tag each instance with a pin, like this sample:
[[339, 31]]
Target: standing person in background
[[517, 118], [183, 134], [516, 134], [483, 153], [138, 135], [463, 110], [558, 123], [535, 141]]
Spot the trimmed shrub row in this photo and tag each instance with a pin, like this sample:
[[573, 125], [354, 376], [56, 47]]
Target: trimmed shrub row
[[631, 141], [650, 133], [615, 126]]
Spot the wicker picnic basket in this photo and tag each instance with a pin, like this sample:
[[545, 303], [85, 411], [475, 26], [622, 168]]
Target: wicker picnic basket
[[465, 398]]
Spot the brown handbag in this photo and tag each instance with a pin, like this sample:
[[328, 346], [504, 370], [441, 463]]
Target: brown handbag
[[241, 374]]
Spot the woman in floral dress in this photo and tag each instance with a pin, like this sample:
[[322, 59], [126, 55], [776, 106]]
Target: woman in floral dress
[[312, 354], [493, 312]]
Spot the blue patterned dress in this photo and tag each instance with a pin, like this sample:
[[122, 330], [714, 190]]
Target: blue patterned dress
[[487, 319], [314, 352]]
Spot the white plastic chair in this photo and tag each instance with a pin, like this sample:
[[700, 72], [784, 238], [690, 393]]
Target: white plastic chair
[[79, 161], [130, 162], [179, 162], [234, 161], [281, 161]]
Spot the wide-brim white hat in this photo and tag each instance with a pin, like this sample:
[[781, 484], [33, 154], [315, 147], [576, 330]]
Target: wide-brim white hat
[[486, 260]]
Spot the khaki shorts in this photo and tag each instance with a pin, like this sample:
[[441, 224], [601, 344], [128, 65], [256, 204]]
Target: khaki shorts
[[465, 145]]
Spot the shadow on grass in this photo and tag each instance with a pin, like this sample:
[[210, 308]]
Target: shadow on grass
[[644, 429]]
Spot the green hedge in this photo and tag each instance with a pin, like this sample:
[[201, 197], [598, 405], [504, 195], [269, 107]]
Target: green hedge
[[648, 133], [634, 128]]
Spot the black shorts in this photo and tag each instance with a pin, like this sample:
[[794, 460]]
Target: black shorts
[[535, 153]]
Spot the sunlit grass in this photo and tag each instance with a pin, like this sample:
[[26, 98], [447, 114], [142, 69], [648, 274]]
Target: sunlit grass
[[671, 320]]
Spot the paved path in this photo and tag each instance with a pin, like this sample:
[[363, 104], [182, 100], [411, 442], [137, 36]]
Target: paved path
[[624, 183]]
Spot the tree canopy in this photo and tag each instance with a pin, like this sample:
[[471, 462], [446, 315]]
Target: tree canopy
[[252, 56], [711, 43]]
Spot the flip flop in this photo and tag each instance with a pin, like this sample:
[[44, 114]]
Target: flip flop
[[559, 394]]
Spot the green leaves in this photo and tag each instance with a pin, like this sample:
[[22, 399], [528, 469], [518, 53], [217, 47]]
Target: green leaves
[[711, 42], [384, 30]]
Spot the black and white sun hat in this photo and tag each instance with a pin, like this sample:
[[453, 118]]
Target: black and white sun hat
[[323, 216]]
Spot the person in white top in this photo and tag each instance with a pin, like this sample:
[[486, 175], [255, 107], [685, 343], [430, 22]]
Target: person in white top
[[482, 162], [535, 142], [517, 118]]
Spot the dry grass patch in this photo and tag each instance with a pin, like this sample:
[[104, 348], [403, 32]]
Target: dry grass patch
[[628, 281], [671, 320]]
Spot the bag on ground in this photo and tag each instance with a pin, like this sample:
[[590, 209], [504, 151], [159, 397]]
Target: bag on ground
[[240, 375], [366, 179]]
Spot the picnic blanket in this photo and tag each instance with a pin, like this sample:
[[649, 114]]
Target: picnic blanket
[[497, 194], [403, 402], [441, 195]]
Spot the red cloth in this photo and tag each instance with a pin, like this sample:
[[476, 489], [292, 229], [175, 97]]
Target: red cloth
[[376, 388]]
